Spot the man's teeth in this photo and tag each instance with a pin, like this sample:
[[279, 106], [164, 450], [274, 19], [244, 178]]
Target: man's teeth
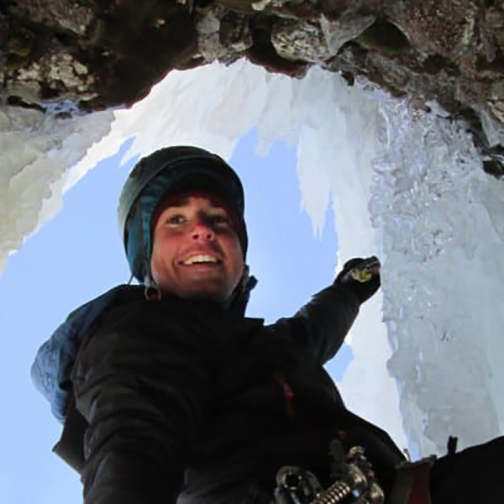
[[200, 259]]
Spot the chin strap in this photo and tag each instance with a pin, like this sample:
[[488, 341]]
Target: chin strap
[[238, 301], [152, 293]]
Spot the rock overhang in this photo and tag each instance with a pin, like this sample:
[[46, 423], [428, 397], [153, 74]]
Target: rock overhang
[[97, 54]]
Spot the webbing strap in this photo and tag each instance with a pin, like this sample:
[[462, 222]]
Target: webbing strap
[[70, 447], [411, 485]]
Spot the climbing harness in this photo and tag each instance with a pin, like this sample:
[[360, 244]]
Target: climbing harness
[[353, 476]]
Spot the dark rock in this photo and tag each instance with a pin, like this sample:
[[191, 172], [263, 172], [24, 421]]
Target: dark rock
[[102, 53], [494, 167], [235, 32], [60, 15], [296, 40], [384, 37], [262, 51]]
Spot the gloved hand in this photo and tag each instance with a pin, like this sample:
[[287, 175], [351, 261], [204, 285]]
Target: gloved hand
[[362, 276]]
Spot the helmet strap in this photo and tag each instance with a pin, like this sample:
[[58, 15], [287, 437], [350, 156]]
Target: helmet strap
[[240, 296], [152, 293]]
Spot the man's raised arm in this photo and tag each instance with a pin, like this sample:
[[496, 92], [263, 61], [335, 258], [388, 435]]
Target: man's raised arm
[[329, 315]]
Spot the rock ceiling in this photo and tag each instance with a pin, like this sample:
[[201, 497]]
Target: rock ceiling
[[87, 55]]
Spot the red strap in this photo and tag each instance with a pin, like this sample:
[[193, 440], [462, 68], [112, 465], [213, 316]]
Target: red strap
[[411, 485], [287, 392], [420, 486]]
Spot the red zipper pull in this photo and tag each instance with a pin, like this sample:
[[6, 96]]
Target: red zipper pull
[[287, 392]]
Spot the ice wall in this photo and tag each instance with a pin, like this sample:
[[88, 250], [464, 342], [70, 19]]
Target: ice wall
[[441, 219], [405, 185], [36, 150]]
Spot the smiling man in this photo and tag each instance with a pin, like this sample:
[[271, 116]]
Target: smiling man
[[166, 389], [196, 250], [168, 393]]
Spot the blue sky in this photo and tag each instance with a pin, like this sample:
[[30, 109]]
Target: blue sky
[[78, 255]]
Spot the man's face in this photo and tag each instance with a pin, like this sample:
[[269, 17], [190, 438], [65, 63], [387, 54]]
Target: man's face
[[196, 252]]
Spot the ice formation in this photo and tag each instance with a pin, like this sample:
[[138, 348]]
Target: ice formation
[[36, 151], [440, 217], [405, 185]]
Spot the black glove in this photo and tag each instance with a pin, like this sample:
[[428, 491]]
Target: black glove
[[362, 276]]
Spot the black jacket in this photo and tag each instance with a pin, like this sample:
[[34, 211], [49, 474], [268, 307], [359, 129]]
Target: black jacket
[[182, 398]]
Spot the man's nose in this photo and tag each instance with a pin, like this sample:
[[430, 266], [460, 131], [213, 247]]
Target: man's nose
[[202, 232]]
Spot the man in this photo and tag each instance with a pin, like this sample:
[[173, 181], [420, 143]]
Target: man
[[196, 251], [167, 391]]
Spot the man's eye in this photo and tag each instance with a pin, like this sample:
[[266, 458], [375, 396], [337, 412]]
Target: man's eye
[[219, 219], [175, 219]]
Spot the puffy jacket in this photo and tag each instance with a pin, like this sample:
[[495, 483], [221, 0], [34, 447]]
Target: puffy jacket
[[54, 361], [185, 399]]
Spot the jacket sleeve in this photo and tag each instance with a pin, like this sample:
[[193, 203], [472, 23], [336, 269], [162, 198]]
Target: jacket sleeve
[[53, 363], [327, 318], [142, 381]]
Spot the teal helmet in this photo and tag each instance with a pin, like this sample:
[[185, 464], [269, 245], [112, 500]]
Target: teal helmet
[[168, 171]]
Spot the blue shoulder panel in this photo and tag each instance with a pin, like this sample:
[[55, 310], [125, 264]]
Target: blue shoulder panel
[[55, 358]]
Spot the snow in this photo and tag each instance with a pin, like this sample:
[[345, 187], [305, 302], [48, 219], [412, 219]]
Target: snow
[[405, 185]]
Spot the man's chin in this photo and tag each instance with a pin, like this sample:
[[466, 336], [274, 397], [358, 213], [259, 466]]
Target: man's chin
[[207, 290]]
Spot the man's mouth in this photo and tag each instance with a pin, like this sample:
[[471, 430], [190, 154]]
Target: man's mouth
[[201, 259]]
